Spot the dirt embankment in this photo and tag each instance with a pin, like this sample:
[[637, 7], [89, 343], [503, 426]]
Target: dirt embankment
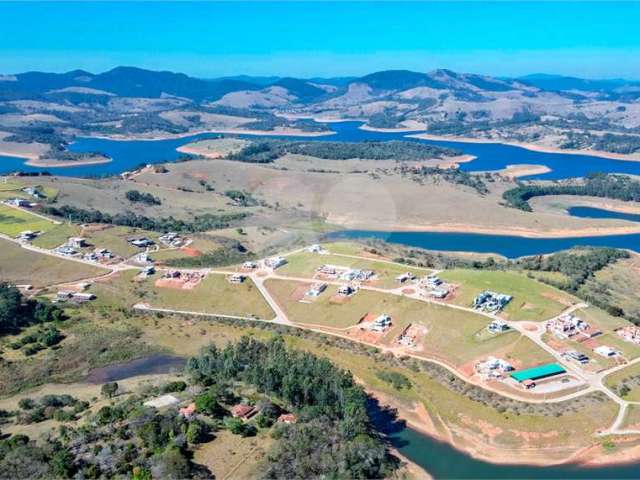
[[418, 418]]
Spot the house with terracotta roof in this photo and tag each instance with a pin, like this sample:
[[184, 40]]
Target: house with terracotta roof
[[243, 411]]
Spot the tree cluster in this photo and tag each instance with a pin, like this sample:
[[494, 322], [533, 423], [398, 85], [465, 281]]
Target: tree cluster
[[16, 312], [199, 223], [267, 151], [333, 437], [619, 187], [137, 196]]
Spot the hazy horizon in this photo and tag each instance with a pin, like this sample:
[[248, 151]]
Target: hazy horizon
[[313, 39]]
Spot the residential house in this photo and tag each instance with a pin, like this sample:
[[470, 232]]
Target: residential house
[[316, 289], [606, 351], [77, 242], [275, 262], [287, 418], [27, 235], [236, 278], [188, 411], [630, 333], [346, 290], [19, 202], [381, 323], [405, 276], [243, 411], [497, 326]]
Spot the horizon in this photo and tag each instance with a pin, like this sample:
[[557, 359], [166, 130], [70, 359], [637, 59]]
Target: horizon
[[277, 76], [314, 39]]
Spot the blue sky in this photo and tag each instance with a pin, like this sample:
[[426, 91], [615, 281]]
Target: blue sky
[[596, 40]]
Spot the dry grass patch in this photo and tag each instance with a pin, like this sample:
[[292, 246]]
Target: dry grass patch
[[20, 266]]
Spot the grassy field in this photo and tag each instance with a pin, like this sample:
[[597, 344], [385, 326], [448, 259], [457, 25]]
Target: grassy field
[[532, 300], [13, 189], [58, 235], [20, 266], [213, 295], [234, 456], [114, 238], [454, 335], [629, 376], [13, 221], [621, 282], [304, 264], [632, 419]]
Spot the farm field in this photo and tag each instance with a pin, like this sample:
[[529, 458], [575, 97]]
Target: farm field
[[532, 300], [13, 221], [453, 335], [212, 295], [304, 264], [21, 267]]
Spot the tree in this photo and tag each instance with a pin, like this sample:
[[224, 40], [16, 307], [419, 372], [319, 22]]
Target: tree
[[207, 403], [109, 390], [196, 432]]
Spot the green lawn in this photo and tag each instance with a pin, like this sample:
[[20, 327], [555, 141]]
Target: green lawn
[[213, 295], [13, 221], [454, 335], [532, 300], [21, 266], [58, 235], [304, 264]]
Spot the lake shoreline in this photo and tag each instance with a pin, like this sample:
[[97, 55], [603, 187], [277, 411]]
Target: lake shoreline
[[499, 231], [419, 420], [229, 131], [529, 146]]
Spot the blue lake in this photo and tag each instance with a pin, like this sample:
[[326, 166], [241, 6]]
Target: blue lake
[[591, 212], [443, 461], [508, 246], [128, 154]]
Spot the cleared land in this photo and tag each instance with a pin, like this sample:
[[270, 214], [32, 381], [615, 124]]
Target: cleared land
[[213, 295], [305, 264], [453, 335], [532, 300], [20, 266]]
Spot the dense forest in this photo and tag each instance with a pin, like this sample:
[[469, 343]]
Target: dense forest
[[199, 223], [619, 187], [266, 151], [332, 438]]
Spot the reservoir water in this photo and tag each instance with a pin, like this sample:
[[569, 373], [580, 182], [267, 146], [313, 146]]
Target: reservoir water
[[128, 154], [153, 364], [508, 246], [443, 461], [591, 212]]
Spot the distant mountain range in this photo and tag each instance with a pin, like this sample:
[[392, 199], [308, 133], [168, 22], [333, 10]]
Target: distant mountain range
[[136, 82]]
